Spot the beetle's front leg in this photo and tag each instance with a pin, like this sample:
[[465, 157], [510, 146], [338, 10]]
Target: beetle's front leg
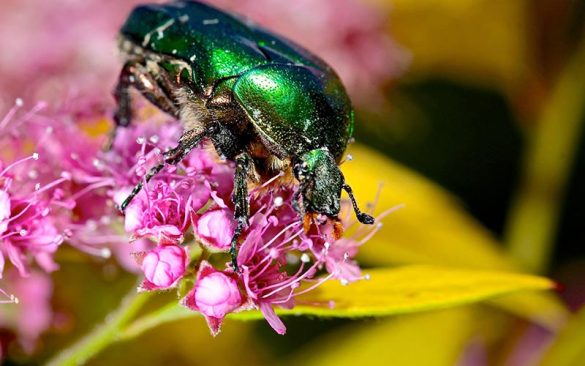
[[240, 200], [134, 74], [123, 113], [188, 141]]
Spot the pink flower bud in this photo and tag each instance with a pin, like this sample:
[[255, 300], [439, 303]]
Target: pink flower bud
[[164, 265], [217, 294], [216, 228]]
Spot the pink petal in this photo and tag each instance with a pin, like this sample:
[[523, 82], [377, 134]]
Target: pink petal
[[200, 197], [4, 206], [15, 256], [272, 318], [133, 217], [2, 262]]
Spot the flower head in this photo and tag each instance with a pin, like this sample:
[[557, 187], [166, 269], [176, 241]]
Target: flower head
[[183, 209], [163, 266]]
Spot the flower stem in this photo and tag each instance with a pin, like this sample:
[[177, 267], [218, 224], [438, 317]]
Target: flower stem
[[103, 335], [534, 217]]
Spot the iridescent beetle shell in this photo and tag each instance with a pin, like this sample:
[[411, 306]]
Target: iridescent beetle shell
[[293, 98], [263, 101]]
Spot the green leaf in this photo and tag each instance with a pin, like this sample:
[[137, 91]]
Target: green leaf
[[389, 291]]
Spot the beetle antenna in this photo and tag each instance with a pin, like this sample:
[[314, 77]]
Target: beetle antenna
[[362, 217]]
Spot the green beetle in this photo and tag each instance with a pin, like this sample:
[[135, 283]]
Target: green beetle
[[263, 101]]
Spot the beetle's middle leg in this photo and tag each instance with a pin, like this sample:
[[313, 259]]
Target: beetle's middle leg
[[187, 142], [240, 200], [135, 74]]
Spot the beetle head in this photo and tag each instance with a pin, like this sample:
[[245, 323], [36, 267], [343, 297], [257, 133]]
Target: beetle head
[[321, 183]]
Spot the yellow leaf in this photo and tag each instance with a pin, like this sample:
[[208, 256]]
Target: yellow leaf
[[402, 341], [568, 349], [389, 291], [540, 307], [432, 228], [482, 41], [410, 289]]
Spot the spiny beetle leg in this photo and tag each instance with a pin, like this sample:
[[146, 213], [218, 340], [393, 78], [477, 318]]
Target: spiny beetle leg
[[240, 200], [135, 74], [123, 113], [174, 156]]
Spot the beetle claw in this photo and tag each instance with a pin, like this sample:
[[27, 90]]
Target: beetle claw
[[364, 218]]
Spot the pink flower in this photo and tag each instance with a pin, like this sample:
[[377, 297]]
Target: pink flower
[[29, 219], [164, 266], [215, 229], [31, 315], [191, 199], [214, 295]]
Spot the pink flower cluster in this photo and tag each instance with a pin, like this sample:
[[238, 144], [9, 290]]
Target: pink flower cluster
[[180, 224], [30, 205], [187, 211]]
